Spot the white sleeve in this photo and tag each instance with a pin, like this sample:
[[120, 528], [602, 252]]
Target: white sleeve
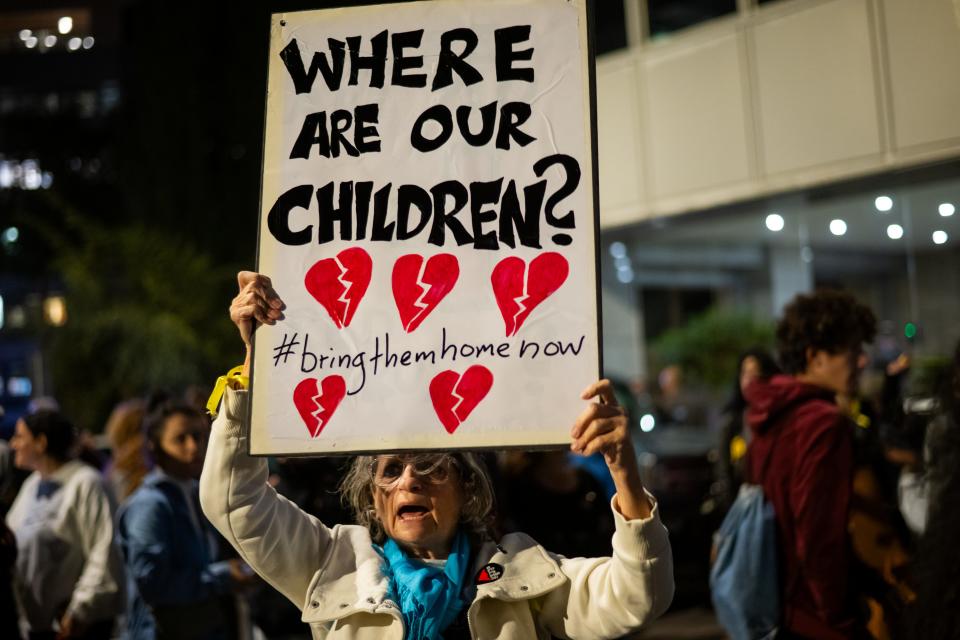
[[100, 592], [612, 597], [284, 545]]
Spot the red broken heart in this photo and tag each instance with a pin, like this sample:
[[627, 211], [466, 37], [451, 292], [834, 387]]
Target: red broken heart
[[544, 276], [455, 396], [418, 286], [316, 404], [339, 283]]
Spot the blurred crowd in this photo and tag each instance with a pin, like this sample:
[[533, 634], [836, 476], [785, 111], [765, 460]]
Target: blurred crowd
[[104, 536]]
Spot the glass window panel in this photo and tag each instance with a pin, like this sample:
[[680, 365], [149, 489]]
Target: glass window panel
[[611, 26], [669, 16]]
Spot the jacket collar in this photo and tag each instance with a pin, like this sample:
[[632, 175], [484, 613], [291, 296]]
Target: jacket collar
[[158, 476], [525, 571]]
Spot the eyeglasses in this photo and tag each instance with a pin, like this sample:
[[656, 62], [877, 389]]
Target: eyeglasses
[[432, 468]]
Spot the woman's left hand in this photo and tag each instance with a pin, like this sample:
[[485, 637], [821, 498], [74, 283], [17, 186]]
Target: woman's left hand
[[604, 427]]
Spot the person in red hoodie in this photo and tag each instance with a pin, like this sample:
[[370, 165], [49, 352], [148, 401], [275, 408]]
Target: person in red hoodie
[[804, 442]]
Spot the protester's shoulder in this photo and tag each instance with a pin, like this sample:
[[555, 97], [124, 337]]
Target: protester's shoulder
[[820, 419], [146, 494], [821, 409], [85, 478], [145, 505]]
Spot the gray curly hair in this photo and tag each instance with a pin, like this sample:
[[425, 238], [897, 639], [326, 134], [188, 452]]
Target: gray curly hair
[[476, 514]]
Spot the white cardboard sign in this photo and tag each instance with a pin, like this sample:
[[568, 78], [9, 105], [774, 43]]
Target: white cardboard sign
[[428, 217]]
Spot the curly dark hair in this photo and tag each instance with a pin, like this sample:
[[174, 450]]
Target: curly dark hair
[[826, 320]]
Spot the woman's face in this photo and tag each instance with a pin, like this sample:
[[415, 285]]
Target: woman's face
[[749, 371], [183, 444], [420, 510], [29, 450]]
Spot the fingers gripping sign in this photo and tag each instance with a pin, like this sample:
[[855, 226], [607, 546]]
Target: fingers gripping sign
[[256, 302], [604, 427]]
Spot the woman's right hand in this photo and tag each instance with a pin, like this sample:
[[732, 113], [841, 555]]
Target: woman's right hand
[[257, 301]]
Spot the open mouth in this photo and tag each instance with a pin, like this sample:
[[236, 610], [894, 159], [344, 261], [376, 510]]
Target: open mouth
[[412, 512]]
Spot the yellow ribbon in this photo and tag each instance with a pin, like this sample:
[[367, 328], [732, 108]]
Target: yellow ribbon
[[234, 379]]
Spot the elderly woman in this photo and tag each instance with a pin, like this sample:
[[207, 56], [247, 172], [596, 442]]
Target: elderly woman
[[421, 565]]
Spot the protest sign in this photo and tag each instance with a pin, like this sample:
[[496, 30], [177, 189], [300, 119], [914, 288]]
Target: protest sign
[[428, 216]]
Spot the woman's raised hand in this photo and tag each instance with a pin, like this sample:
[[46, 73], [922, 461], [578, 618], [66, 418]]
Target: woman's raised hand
[[604, 426], [257, 301]]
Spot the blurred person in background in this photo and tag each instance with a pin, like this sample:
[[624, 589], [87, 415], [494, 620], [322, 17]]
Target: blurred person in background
[[69, 574], [129, 462], [936, 613], [177, 588], [796, 424], [754, 364], [8, 603], [675, 402], [11, 478]]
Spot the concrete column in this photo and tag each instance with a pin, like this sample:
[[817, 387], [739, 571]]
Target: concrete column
[[791, 272], [624, 351]]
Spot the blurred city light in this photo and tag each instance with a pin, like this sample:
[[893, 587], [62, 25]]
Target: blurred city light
[[774, 222], [883, 203], [50, 41], [17, 318], [19, 387], [25, 175], [11, 235], [88, 42], [940, 237], [32, 178], [895, 232], [55, 311], [30, 42], [647, 422], [65, 25], [1, 313], [618, 249], [25, 34], [946, 209], [838, 227], [74, 43]]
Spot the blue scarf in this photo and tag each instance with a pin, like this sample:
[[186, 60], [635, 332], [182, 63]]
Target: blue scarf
[[429, 597]]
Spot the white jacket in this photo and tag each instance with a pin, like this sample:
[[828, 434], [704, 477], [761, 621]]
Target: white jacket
[[67, 558], [335, 577]]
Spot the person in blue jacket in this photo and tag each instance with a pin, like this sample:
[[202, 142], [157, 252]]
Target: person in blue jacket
[[176, 587]]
